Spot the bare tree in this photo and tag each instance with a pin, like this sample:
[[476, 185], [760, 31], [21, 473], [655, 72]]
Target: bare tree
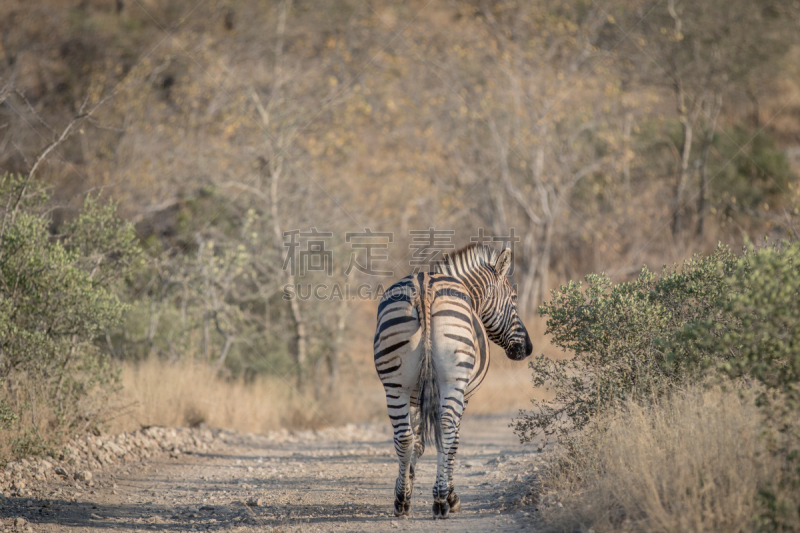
[[538, 136], [703, 52]]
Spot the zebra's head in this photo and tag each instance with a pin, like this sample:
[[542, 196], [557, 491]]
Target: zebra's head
[[499, 313]]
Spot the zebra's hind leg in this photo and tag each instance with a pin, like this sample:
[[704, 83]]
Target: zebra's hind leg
[[419, 446], [452, 498], [404, 446], [445, 500]]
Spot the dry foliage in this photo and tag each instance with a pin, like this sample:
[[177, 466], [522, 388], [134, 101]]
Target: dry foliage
[[695, 463], [231, 122], [186, 393]]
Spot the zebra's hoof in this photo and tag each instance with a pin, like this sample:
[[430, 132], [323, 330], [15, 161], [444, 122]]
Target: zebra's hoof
[[455, 503], [401, 508], [441, 509]]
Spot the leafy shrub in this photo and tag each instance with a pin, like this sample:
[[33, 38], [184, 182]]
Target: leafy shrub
[[759, 335], [620, 335], [722, 315], [757, 328], [57, 295]]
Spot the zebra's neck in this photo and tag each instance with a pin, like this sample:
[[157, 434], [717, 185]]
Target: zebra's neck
[[473, 267]]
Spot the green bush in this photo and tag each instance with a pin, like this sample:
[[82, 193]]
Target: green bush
[[757, 330], [621, 337], [58, 294], [758, 338], [723, 315]]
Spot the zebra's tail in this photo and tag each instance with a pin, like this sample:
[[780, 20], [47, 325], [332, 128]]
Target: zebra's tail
[[427, 384]]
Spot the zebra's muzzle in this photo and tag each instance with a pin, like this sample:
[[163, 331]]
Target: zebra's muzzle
[[519, 351]]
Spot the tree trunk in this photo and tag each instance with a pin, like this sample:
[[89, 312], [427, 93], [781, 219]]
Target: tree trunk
[[300, 336], [756, 114], [544, 276], [684, 174], [626, 139], [155, 315], [334, 356], [299, 343], [701, 200], [224, 354], [206, 335], [529, 278]]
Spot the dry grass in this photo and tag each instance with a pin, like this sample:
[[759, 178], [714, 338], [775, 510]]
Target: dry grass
[[691, 464], [187, 393], [506, 389], [184, 393]]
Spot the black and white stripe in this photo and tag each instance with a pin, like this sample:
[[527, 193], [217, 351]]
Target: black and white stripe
[[432, 353]]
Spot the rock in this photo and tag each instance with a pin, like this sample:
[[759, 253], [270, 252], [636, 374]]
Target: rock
[[20, 522], [207, 508], [84, 475], [255, 502]]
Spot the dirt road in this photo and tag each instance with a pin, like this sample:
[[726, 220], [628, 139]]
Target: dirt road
[[335, 480]]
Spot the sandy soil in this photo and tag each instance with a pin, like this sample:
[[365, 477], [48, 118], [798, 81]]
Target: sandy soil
[[337, 480]]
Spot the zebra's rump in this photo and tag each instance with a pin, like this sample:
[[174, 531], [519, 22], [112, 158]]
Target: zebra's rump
[[459, 342]]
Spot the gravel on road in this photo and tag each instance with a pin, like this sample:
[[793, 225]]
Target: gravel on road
[[338, 479]]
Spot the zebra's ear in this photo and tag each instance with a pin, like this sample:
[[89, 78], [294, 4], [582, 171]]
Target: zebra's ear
[[503, 262]]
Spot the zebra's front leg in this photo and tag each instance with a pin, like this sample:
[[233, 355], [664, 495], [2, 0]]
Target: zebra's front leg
[[444, 497], [404, 446]]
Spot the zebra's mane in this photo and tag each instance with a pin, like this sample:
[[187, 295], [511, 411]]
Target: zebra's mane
[[470, 254]]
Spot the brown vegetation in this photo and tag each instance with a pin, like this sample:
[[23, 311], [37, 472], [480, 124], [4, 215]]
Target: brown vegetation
[[607, 134], [694, 463], [188, 393]]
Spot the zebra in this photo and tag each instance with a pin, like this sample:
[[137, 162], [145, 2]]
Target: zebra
[[432, 353]]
